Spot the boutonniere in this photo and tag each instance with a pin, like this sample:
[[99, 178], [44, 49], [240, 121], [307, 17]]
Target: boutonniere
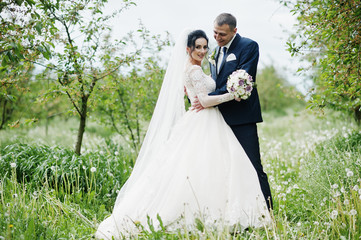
[[212, 58]]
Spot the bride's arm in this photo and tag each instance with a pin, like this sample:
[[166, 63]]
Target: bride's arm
[[210, 101], [199, 83]]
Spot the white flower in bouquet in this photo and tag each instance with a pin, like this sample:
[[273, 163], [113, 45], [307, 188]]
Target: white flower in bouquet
[[240, 84]]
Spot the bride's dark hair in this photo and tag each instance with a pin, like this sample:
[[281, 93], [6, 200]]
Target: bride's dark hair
[[193, 36]]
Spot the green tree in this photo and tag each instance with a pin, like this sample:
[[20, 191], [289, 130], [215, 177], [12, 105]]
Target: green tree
[[23, 39], [275, 92], [14, 88], [128, 99], [24, 32], [329, 37], [80, 59]]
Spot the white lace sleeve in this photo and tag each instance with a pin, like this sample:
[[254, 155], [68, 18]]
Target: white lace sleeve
[[199, 82]]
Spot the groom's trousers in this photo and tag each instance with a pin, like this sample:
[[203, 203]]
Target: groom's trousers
[[248, 137]]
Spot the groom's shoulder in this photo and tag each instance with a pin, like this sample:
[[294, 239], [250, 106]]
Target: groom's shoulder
[[247, 43], [246, 40]]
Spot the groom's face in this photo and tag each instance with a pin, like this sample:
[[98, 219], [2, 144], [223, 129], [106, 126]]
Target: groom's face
[[223, 34]]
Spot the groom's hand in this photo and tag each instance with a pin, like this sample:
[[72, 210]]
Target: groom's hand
[[197, 105]]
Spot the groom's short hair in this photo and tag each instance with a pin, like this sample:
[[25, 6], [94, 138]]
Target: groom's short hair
[[226, 18]]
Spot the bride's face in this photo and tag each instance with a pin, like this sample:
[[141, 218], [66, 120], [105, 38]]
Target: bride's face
[[199, 51]]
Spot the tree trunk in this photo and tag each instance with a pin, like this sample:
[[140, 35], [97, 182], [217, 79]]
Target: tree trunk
[[81, 128], [357, 115], [3, 117]]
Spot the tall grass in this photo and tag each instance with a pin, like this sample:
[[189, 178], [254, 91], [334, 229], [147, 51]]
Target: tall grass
[[314, 167]]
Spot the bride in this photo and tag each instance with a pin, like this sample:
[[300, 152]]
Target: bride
[[190, 166]]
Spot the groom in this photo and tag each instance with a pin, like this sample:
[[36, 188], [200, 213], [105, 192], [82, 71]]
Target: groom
[[236, 52]]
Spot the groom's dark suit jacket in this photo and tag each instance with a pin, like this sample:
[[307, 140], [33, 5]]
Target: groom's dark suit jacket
[[242, 116], [245, 57]]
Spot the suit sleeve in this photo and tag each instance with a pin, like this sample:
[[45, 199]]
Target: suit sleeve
[[219, 91], [249, 59]]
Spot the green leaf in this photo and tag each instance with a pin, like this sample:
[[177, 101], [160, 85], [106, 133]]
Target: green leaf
[[38, 26]]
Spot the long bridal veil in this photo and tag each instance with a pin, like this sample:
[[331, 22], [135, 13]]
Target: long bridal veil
[[169, 108]]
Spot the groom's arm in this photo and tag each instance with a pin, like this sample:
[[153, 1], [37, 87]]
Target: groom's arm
[[219, 91], [249, 59]]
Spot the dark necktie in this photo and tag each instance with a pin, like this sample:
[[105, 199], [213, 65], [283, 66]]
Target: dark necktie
[[219, 63]]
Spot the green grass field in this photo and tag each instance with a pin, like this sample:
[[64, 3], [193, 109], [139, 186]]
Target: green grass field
[[47, 192]]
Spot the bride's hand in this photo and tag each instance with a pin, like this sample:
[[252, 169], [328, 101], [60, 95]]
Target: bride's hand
[[196, 105], [237, 99]]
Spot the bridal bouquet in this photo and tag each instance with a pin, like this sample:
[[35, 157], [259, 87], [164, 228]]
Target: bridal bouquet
[[240, 84]]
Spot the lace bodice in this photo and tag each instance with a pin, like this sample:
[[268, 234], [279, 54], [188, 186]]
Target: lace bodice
[[197, 82]]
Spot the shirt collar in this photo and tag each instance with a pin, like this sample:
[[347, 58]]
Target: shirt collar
[[230, 42]]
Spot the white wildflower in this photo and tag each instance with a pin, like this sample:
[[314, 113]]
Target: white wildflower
[[281, 195], [346, 202], [101, 153], [13, 165], [93, 169], [316, 223], [334, 186], [349, 173], [15, 195], [353, 212], [334, 214], [116, 153]]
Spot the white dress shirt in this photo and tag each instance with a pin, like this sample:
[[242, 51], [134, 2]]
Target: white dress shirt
[[220, 55]]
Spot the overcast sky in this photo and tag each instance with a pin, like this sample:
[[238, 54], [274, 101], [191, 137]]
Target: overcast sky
[[265, 21]]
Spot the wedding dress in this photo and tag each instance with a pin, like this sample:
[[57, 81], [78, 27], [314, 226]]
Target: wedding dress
[[203, 172], [200, 172]]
